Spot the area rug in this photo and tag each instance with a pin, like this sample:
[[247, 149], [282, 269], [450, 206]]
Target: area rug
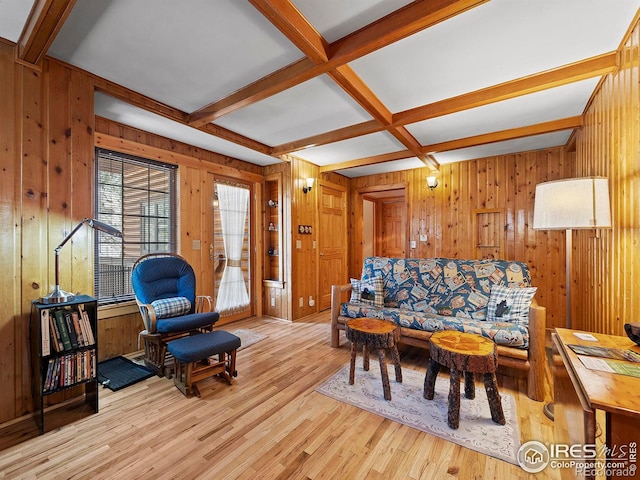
[[407, 406], [248, 337], [120, 372]]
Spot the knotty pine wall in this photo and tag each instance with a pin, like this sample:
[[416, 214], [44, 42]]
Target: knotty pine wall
[[606, 267], [48, 132], [446, 215]]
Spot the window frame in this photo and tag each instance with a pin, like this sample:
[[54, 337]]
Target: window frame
[[124, 260]]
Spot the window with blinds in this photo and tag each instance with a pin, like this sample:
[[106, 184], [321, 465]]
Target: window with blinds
[[138, 197]]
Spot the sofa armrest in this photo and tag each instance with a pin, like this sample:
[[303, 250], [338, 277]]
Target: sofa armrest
[[537, 350], [336, 301]]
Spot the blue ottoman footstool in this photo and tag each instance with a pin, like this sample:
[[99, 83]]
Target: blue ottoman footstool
[[194, 362]]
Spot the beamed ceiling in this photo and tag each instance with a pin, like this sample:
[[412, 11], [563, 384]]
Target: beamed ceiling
[[354, 86]]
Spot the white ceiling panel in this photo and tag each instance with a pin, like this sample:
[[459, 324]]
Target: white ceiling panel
[[335, 19], [385, 167], [498, 41], [536, 142], [127, 114], [184, 54], [359, 147], [545, 106], [13, 16], [226, 54], [313, 107]]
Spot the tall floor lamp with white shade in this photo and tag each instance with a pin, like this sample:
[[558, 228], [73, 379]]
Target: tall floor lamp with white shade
[[571, 204]]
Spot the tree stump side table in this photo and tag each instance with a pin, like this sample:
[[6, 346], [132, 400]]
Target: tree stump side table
[[469, 354], [378, 335]]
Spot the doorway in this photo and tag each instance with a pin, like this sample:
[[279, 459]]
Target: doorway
[[332, 240], [384, 222]]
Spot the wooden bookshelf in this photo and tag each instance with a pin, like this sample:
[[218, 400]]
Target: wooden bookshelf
[[64, 356]]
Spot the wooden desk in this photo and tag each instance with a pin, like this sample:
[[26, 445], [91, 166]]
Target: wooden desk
[[581, 392]]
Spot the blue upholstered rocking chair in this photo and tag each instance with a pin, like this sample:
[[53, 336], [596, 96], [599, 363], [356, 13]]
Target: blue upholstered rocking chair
[[165, 288]]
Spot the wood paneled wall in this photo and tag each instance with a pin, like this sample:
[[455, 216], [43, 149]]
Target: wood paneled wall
[[606, 266], [446, 215], [47, 136]]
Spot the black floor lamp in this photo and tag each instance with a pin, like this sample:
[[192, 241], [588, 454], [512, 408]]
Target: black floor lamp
[[60, 296], [571, 204]]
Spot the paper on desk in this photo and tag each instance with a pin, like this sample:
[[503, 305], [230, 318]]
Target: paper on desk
[[611, 366]]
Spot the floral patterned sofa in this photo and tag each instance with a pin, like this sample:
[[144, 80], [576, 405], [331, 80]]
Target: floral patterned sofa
[[492, 298]]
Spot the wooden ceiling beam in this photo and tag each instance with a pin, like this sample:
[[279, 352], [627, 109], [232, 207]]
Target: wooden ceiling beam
[[363, 162], [153, 106], [397, 25], [361, 93], [574, 72], [45, 21], [286, 18], [509, 134], [364, 128]]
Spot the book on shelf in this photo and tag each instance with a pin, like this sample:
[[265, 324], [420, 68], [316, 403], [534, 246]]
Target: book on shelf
[[46, 335], [71, 329], [87, 323], [62, 328], [56, 341], [75, 316]]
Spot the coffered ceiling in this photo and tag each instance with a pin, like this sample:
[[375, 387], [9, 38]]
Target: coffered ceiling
[[354, 86]]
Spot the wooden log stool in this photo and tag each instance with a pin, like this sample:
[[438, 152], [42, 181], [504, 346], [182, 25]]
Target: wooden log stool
[[469, 354], [378, 335], [194, 362]]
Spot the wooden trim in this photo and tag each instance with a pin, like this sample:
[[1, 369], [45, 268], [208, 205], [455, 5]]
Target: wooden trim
[[402, 23], [364, 128], [361, 162], [286, 17], [510, 134], [44, 23], [574, 72], [127, 146]]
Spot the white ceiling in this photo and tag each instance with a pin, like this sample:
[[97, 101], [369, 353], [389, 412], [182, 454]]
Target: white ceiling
[[190, 54]]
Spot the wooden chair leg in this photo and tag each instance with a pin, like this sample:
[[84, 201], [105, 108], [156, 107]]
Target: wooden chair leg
[[396, 362], [469, 386], [453, 415], [430, 379], [386, 388], [495, 404], [352, 367]]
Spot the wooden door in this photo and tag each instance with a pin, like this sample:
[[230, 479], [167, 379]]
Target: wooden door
[[393, 224], [332, 241]]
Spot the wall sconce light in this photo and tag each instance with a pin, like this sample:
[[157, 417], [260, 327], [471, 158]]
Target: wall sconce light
[[309, 184], [60, 296], [432, 181]]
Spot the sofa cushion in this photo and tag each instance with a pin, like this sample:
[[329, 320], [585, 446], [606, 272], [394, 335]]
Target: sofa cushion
[[450, 287], [510, 304], [501, 333], [367, 291], [171, 307]]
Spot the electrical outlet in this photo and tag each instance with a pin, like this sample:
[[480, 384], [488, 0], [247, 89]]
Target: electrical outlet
[[273, 301], [312, 302], [423, 237], [301, 302], [413, 244]]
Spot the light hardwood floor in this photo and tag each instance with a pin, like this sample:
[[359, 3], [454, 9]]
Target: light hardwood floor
[[270, 424]]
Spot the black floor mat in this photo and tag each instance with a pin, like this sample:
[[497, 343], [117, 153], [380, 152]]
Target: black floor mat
[[120, 372]]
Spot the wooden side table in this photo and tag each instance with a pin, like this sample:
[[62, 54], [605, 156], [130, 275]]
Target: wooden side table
[[378, 335], [467, 353]]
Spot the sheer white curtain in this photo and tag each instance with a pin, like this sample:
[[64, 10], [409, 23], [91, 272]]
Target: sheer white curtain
[[233, 205]]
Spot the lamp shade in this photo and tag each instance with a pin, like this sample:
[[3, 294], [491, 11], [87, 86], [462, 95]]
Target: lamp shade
[[572, 203]]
